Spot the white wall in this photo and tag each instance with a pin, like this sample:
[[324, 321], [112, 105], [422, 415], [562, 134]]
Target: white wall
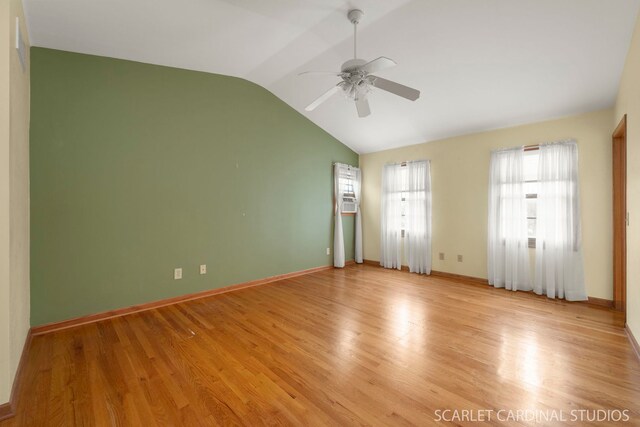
[[628, 103], [14, 198], [460, 179]]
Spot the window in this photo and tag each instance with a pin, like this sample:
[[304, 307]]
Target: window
[[534, 202], [345, 184], [402, 191], [531, 158], [406, 213], [346, 188]]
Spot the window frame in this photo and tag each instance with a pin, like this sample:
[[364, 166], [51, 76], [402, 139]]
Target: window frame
[[532, 241]]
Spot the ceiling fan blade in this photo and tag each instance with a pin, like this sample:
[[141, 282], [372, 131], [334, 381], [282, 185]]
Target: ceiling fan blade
[[322, 98], [396, 88], [378, 64], [330, 73], [362, 105]]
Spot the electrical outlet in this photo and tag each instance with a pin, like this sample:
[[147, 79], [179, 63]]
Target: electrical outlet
[[459, 258], [203, 269], [177, 273], [328, 251], [441, 256]]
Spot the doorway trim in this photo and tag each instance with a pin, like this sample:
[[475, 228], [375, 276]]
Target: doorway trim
[[620, 218]]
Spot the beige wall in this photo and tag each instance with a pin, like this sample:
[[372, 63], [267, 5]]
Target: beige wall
[[19, 246], [4, 205], [628, 103], [14, 198], [460, 180]]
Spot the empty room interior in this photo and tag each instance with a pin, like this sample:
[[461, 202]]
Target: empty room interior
[[319, 212]]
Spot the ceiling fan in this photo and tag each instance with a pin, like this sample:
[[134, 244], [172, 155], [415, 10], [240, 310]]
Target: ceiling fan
[[358, 80]]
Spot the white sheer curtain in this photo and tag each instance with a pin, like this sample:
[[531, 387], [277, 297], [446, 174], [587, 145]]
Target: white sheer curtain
[[391, 217], [406, 205], [357, 186], [559, 263], [508, 253], [417, 237], [338, 238], [347, 183]]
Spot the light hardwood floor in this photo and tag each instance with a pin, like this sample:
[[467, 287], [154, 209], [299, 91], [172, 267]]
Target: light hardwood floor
[[362, 345]]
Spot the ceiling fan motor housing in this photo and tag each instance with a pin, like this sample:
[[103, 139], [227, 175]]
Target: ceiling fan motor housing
[[352, 65]]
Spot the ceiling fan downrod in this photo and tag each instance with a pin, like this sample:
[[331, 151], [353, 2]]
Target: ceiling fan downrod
[[355, 15]]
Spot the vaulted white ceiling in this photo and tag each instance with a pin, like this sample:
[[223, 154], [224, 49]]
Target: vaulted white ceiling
[[480, 64]]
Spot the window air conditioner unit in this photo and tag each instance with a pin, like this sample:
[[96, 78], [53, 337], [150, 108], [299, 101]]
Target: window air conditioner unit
[[349, 204]]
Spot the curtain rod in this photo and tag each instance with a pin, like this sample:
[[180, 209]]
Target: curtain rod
[[405, 163], [537, 146], [344, 164], [534, 147]]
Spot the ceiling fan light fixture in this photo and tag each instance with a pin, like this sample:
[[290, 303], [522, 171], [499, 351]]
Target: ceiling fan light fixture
[[356, 90]]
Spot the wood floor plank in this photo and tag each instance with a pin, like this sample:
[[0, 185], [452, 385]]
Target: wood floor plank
[[356, 346]]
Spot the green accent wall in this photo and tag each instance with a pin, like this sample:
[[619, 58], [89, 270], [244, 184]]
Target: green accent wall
[[137, 169]]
